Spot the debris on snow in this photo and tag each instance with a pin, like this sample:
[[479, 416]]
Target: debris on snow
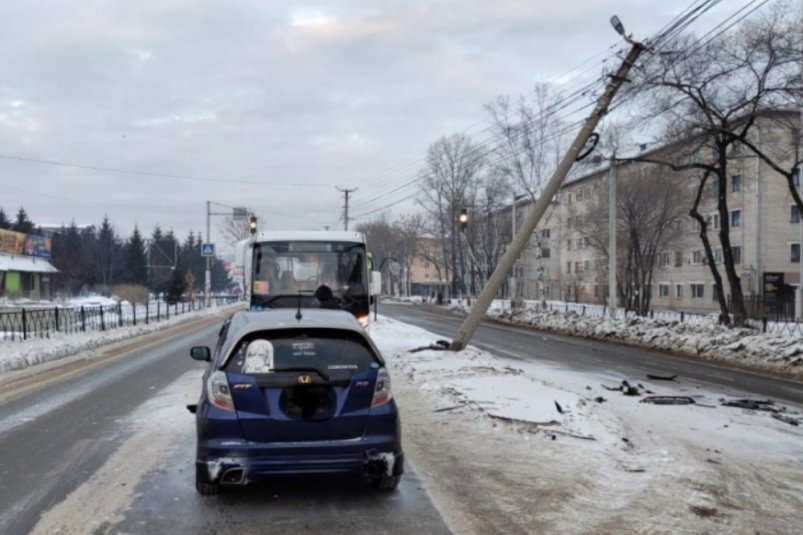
[[668, 400]]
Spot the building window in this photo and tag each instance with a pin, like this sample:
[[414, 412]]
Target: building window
[[736, 218], [715, 220], [579, 243], [663, 259], [796, 177], [568, 198], [578, 267], [545, 233], [697, 291], [715, 188], [678, 258], [587, 265], [795, 253], [663, 291], [714, 292], [27, 282], [736, 183], [717, 254], [544, 252], [569, 268], [679, 291], [736, 251], [794, 214], [697, 257], [569, 245]]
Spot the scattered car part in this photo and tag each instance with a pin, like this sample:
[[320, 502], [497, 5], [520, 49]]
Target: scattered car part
[[439, 345], [668, 400], [557, 406], [754, 405], [661, 377], [786, 419]]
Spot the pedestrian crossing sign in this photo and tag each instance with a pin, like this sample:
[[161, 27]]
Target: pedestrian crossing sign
[[208, 249]]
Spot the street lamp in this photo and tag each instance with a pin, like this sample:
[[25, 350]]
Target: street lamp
[[463, 219]]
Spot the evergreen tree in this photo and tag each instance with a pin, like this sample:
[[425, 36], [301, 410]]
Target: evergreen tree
[[221, 282], [135, 260], [4, 222], [105, 255], [162, 259], [68, 257], [23, 224]]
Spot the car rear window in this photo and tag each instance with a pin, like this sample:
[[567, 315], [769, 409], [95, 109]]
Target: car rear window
[[335, 353]]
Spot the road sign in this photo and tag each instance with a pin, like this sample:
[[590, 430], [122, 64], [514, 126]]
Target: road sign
[[208, 249]]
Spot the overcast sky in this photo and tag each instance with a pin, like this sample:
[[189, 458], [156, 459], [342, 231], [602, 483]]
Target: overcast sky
[[266, 104]]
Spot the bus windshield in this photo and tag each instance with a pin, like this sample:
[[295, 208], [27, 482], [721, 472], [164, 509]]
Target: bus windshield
[[293, 268]]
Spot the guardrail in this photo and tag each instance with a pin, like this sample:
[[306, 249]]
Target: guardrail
[[27, 323]]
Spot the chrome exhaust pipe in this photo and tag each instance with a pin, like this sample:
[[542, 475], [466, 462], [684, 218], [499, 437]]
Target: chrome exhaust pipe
[[233, 476]]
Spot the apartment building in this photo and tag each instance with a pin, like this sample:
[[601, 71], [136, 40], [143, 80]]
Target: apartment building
[[567, 256]]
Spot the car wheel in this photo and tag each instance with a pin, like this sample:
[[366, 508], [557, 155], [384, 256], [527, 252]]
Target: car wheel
[[204, 486], [386, 482]]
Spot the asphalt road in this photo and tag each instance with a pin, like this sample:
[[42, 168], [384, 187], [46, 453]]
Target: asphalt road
[[52, 441], [612, 361]]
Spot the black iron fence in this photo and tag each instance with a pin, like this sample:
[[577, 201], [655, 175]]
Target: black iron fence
[[28, 323]]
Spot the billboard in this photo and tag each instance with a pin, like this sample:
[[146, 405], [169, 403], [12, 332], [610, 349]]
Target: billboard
[[11, 242], [25, 244]]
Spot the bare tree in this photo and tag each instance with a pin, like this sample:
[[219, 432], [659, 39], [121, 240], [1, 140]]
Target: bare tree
[[487, 233], [714, 93], [651, 206], [531, 138], [408, 230], [453, 169], [234, 227]]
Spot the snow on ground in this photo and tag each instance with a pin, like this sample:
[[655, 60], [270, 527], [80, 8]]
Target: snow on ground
[[597, 465], [779, 352]]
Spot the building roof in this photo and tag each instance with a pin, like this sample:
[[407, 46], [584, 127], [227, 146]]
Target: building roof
[[27, 264]]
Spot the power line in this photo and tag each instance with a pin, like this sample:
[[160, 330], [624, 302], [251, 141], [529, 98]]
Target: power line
[[158, 174], [681, 22]]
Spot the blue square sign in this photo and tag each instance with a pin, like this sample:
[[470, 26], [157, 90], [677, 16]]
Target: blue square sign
[[208, 249]]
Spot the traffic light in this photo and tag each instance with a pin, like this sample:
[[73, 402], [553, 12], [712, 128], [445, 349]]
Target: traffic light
[[463, 219], [252, 224]]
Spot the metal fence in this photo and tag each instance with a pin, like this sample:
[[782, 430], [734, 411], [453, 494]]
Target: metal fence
[[27, 323]]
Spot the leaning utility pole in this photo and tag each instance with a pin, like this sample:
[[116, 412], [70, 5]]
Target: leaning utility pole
[[346, 192], [471, 322]]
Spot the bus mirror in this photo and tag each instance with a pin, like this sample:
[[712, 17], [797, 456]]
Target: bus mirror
[[376, 282]]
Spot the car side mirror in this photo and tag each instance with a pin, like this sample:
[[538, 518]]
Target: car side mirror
[[201, 353]]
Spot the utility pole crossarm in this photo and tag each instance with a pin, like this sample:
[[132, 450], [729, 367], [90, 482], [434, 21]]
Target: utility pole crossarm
[[472, 321]]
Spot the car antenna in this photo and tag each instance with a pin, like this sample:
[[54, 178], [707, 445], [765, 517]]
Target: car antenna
[[298, 311]]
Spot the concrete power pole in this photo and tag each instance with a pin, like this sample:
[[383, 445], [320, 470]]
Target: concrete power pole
[[471, 322], [346, 192], [208, 272]]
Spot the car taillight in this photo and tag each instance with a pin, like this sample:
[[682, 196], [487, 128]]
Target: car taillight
[[363, 320], [217, 389], [382, 392]]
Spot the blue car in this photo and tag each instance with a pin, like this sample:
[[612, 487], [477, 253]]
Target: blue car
[[293, 392]]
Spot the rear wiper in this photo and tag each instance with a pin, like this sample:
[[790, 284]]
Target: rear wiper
[[313, 370]]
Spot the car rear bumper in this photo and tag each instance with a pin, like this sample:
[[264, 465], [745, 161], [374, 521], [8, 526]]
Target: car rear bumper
[[240, 462]]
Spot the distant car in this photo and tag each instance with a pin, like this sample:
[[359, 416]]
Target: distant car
[[295, 392]]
